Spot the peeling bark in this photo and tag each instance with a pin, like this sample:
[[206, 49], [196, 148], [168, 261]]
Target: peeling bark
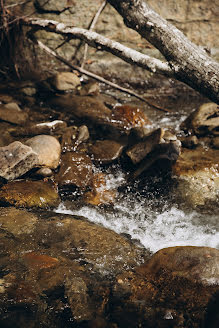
[[190, 63]]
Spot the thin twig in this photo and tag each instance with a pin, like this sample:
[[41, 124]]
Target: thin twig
[[94, 76], [93, 23]]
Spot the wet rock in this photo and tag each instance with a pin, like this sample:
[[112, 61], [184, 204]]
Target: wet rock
[[168, 151], [196, 172], [12, 113], [137, 152], [45, 127], [5, 134], [81, 107], [198, 264], [204, 120], [36, 261], [215, 142], [16, 159], [17, 221], [128, 117], [73, 136], [105, 151], [47, 148], [29, 194], [190, 142], [173, 289], [75, 169], [100, 193], [65, 81]]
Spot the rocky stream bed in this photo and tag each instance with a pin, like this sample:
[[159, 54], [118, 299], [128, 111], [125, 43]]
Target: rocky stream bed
[[109, 207]]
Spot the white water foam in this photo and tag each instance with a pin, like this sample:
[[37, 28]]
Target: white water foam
[[155, 230]]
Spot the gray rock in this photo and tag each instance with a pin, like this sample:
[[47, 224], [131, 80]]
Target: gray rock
[[48, 149], [16, 159]]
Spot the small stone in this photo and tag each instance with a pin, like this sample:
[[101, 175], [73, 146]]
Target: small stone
[[190, 142], [16, 159], [12, 113], [53, 5], [45, 127], [44, 172], [105, 151], [48, 149], [215, 142], [65, 81]]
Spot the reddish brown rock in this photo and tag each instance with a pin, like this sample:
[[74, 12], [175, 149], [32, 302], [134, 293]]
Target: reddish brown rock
[[75, 169], [37, 261]]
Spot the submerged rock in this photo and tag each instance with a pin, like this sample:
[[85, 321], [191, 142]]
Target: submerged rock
[[16, 159], [12, 113], [105, 151], [75, 169], [197, 175], [48, 149], [204, 120], [29, 194], [73, 136]]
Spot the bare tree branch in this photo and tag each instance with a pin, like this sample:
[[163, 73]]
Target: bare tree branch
[[93, 23], [102, 43], [96, 77], [190, 64]]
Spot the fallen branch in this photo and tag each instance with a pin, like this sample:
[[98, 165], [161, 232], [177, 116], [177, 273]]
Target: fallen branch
[[190, 63], [93, 23], [102, 43], [94, 76]]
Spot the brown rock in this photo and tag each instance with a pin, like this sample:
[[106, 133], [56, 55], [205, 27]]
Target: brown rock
[[48, 149], [204, 120], [197, 175], [65, 81], [12, 113], [141, 149], [75, 169], [16, 159], [29, 194], [37, 261], [99, 194], [105, 151]]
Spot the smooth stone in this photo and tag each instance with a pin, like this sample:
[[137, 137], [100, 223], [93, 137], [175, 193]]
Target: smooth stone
[[44, 172], [17, 221], [73, 136], [65, 81], [197, 174], [75, 169], [12, 113], [190, 142], [105, 151], [16, 159], [198, 264], [21, 193], [204, 120], [137, 152], [48, 149], [90, 89]]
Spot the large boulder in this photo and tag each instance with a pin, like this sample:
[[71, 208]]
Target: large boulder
[[204, 120], [16, 159], [177, 287], [197, 175], [48, 149]]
